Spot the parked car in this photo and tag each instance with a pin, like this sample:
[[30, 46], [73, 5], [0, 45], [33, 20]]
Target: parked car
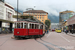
[[53, 30]]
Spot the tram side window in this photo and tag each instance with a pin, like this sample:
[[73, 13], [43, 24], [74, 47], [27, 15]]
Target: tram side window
[[25, 25], [41, 27], [21, 25], [33, 26], [30, 26], [36, 26]]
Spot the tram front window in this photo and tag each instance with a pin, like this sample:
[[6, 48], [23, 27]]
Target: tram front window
[[15, 25], [18, 25]]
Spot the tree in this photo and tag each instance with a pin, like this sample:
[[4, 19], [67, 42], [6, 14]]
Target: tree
[[47, 23]]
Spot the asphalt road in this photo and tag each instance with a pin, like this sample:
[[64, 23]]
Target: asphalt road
[[51, 41]]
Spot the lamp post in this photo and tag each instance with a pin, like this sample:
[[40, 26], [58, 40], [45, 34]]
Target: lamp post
[[17, 9]]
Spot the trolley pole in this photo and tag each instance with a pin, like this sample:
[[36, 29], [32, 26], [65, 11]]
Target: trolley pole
[[17, 10]]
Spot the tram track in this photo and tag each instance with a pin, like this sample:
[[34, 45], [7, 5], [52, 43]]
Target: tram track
[[49, 48], [4, 42], [53, 44]]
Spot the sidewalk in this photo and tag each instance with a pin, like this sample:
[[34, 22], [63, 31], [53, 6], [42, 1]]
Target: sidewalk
[[5, 34], [70, 34]]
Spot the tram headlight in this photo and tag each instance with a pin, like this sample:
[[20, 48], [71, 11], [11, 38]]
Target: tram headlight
[[17, 32]]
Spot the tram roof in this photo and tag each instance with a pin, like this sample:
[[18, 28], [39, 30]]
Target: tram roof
[[27, 22]]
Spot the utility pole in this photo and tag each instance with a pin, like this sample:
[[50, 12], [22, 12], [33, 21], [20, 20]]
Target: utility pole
[[17, 9]]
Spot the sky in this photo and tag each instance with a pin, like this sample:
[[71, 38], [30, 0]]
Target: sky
[[51, 6]]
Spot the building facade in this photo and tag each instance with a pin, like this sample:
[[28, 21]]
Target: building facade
[[8, 14], [64, 16], [71, 24], [38, 14], [1, 10]]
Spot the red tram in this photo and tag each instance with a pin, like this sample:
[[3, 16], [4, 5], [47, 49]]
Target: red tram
[[28, 29]]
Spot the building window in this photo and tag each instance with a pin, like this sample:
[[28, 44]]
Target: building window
[[40, 13], [44, 13], [33, 13], [9, 16], [40, 17]]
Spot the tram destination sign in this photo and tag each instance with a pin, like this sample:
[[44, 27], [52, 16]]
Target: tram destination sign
[[2, 0]]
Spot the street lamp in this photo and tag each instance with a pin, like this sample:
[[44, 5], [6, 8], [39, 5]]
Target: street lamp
[[17, 9]]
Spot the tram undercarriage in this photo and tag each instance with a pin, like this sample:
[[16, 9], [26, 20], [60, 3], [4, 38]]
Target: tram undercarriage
[[30, 36]]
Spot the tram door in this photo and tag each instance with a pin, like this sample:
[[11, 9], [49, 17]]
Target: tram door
[[25, 26], [33, 29], [41, 29]]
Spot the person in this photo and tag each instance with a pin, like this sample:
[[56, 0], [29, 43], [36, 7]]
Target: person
[[47, 31], [66, 31]]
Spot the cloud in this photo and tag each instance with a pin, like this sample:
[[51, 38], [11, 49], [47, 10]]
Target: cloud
[[50, 6]]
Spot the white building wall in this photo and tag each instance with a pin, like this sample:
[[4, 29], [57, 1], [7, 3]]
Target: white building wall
[[4, 13], [6, 10], [1, 10]]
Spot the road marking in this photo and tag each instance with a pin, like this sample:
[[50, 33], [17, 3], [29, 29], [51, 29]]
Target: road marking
[[49, 35], [64, 38]]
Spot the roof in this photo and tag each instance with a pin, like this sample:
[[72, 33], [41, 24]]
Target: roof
[[8, 5], [67, 11], [35, 11]]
